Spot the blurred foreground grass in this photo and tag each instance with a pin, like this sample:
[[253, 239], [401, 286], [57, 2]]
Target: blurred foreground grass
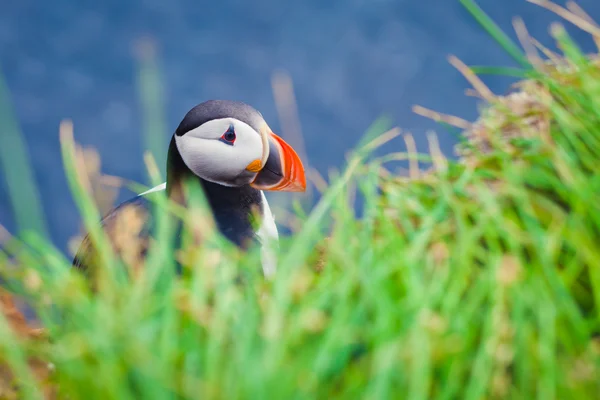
[[474, 279]]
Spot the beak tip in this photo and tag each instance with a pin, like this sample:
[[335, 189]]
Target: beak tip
[[298, 184], [299, 187], [302, 184]]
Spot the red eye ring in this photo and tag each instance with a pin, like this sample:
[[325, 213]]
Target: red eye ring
[[229, 136]]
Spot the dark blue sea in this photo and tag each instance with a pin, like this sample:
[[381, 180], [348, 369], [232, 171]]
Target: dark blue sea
[[351, 61]]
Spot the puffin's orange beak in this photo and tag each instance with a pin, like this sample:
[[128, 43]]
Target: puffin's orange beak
[[283, 170]]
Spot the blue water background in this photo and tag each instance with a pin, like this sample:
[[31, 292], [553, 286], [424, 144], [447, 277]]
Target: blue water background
[[351, 61]]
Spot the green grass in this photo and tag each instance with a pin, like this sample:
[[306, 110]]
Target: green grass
[[477, 279], [151, 95], [17, 171]]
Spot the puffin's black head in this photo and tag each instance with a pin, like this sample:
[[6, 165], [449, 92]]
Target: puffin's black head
[[229, 143]]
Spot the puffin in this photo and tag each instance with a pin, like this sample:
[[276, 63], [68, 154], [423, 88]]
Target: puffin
[[230, 150]]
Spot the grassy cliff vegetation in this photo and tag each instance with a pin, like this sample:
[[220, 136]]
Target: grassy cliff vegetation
[[477, 278]]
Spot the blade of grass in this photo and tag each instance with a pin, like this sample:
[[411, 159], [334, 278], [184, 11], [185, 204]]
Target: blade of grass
[[502, 71], [151, 96], [496, 33], [85, 203], [16, 166]]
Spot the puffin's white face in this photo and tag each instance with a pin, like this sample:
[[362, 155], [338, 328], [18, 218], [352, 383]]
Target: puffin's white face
[[230, 144], [225, 151]]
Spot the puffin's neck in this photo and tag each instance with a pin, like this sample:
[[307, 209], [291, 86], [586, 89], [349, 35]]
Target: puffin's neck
[[232, 207]]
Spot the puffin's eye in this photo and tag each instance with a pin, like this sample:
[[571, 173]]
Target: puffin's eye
[[229, 136]]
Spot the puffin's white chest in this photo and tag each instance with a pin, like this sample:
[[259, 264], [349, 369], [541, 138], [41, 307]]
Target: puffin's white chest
[[267, 234], [269, 239]]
